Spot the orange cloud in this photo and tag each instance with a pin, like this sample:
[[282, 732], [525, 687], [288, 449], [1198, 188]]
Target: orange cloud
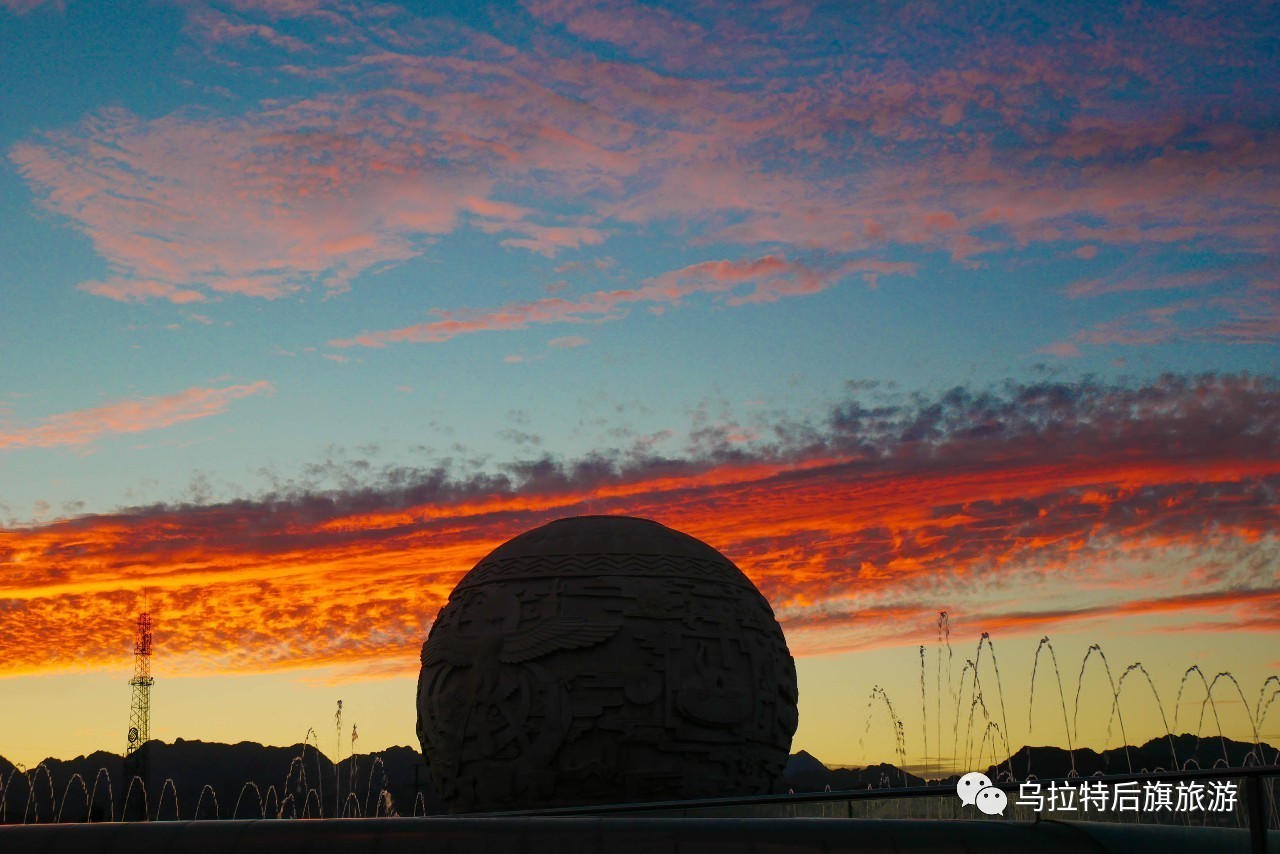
[[127, 416], [1034, 506]]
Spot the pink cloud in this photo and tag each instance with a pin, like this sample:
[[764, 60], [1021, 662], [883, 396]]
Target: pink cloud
[[770, 277], [84, 426], [1213, 198], [313, 192], [1140, 328], [1252, 312], [22, 7], [1062, 349], [305, 195], [549, 240], [140, 290], [221, 27], [417, 138], [179, 209], [1142, 280], [1090, 136], [642, 30], [1251, 309], [1256, 319]]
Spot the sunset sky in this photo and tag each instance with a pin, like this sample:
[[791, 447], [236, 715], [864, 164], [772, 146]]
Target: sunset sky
[[913, 307]]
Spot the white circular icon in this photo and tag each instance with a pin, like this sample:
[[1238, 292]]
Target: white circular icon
[[992, 801], [969, 785]]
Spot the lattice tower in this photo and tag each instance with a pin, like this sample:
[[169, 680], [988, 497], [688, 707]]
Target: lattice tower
[[135, 757]]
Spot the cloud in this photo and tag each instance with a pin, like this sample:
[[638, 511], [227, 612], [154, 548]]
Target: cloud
[[1256, 321], [784, 126], [1248, 315], [770, 277], [183, 209], [217, 26], [123, 289], [1061, 349], [550, 240], [1088, 252], [1129, 281], [568, 341], [641, 30], [1024, 506], [83, 426], [1255, 609], [22, 7]]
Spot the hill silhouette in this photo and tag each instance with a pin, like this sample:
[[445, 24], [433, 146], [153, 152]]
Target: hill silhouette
[[1166, 753], [213, 780], [1044, 763]]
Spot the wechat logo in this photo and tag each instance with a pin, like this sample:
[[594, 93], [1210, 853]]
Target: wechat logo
[[975, 789]]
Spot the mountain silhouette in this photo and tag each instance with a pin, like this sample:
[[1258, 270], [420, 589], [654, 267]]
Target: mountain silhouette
[[1166, 753], [802, 763], [213, 779]]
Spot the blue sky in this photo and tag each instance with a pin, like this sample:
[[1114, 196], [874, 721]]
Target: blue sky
[[276, 254]]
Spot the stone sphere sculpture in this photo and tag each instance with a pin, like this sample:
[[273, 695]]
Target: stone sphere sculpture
[[604, 659]]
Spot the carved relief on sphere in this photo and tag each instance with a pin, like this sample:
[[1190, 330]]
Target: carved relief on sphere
[[604, 659]]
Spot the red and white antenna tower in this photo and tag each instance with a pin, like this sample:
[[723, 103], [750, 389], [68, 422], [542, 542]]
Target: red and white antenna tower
[[136, 762]]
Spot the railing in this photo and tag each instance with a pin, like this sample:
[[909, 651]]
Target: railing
[[1254, 806]]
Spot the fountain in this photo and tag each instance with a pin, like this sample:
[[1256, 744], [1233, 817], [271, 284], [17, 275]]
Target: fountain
[[984, 734], [200, 802], [372, 822], [30, 796], [142, 786], [1066, 728], [67, 791], [111, 798], [374, 766], [1115, 695], [899, 733], [35, 790], [170, 786], [262, 809]]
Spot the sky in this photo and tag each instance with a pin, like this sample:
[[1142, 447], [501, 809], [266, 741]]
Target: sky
[[907, 308]]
